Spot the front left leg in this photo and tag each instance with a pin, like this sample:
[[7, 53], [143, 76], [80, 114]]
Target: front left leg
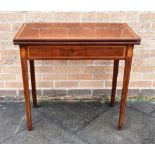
[[24, 66]]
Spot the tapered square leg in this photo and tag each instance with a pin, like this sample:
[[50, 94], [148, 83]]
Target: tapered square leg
[[126, 78], [33, 83], [114, 82], [24, 66]]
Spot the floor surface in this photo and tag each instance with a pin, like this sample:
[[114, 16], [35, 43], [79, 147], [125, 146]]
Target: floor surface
[[77, 122]]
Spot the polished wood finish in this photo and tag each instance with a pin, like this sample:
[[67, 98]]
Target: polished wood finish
[[23, 55], [126, 77], [76, 41], [57, 33], [76, 52]]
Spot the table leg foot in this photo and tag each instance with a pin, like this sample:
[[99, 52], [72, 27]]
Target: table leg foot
[[35, 106], [111, 105], [119, 127], [29, 128]]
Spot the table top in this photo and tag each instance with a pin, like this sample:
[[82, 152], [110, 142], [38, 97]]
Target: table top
[[40, 33]]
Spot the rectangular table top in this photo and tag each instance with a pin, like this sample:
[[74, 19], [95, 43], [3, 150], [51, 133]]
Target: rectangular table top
[[40, 33]]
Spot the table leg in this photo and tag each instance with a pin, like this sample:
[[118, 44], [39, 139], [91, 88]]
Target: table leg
[[33, 83], [114, 82], [124, 92], [26, 86]]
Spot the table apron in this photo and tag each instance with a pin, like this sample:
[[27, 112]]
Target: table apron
[[76, 52]]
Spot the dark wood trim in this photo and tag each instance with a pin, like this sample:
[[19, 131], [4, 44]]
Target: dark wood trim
[[76, 43]]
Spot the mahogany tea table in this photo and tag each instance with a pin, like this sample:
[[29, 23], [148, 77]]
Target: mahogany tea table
[[76, 41]]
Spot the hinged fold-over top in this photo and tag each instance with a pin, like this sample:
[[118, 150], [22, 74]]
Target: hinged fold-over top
[[76, 33]]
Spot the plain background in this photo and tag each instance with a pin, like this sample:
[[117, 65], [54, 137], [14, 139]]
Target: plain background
[[77, 5]]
